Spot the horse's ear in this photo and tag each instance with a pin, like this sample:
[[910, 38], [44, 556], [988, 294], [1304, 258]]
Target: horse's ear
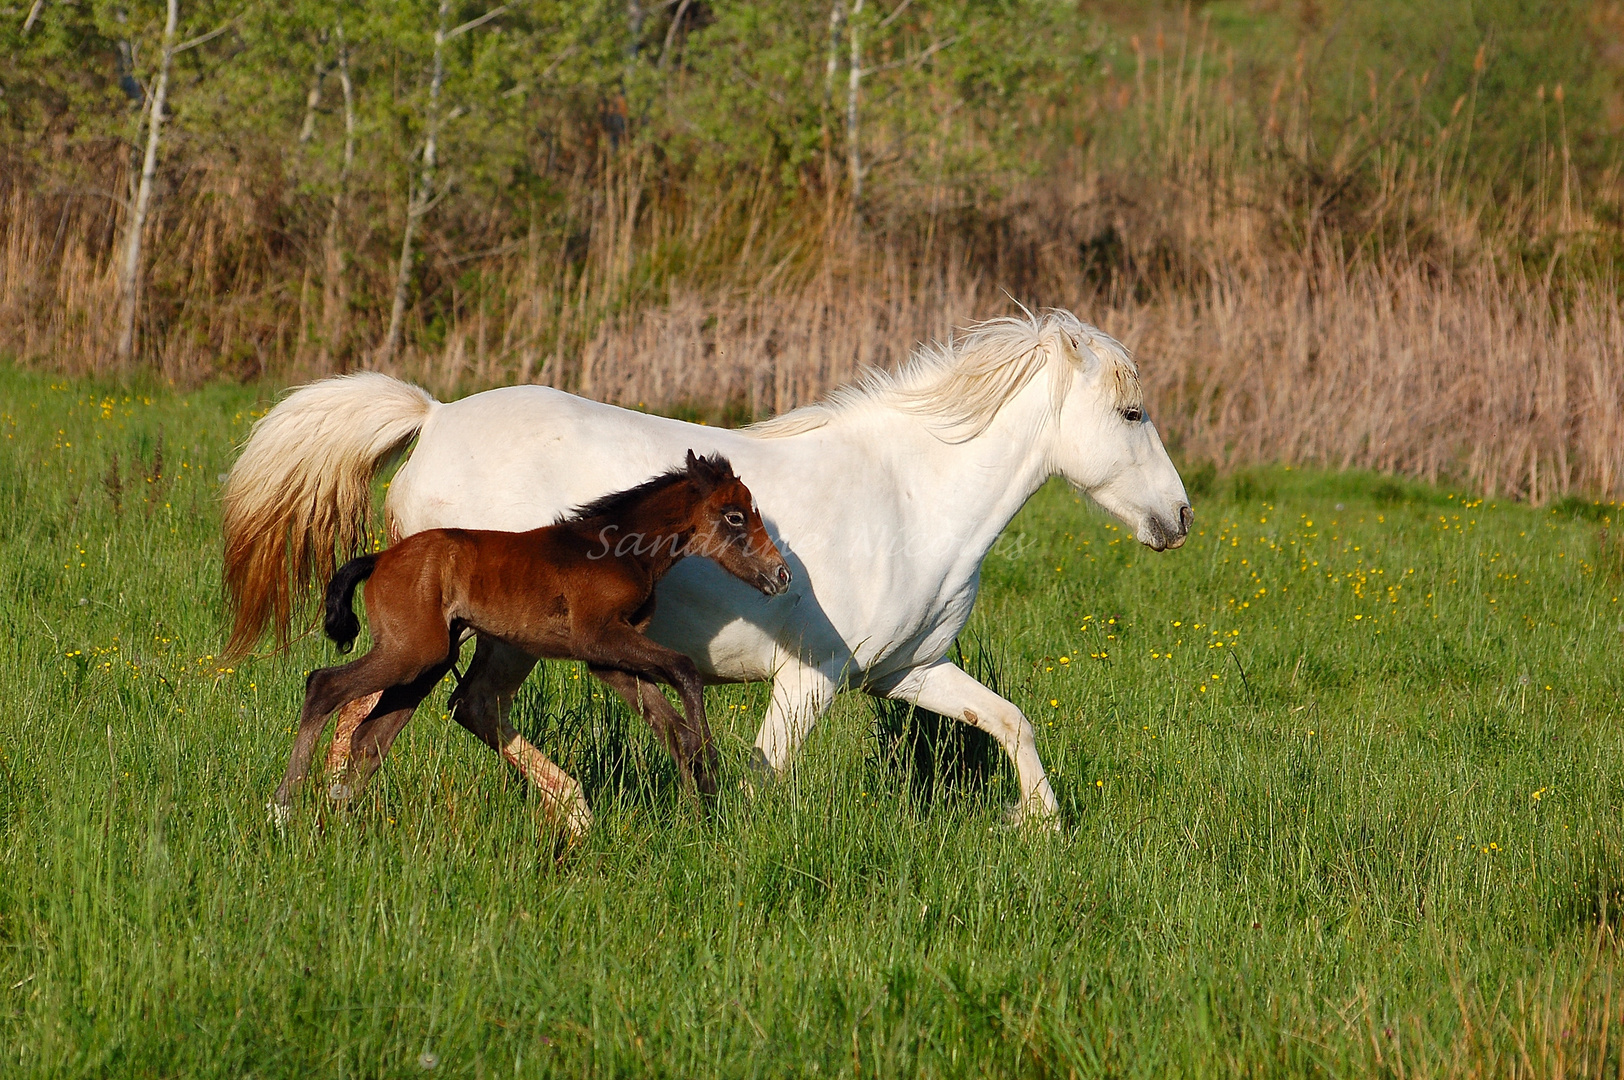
[[1074, 346], [692, 464]]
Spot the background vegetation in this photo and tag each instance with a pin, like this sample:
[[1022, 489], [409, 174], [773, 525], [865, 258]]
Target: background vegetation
[[1340, 782], [1349, 233]]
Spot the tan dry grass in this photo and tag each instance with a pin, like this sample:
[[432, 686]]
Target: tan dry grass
[[1485, 380], [1287, 303]]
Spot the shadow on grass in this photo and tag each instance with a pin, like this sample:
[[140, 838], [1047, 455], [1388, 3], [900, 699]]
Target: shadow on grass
[[589, 732], [938, 759]]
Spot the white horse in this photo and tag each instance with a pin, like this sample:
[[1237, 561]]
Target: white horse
[[885, 499]]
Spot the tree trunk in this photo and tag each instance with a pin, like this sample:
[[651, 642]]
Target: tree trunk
[[671, 33], [130, 270], [312, 102], [854, 81], [335, 295], [837, 25], [634, 22], [417, 203]]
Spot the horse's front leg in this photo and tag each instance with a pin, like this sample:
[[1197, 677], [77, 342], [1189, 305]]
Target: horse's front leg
[[694, 766], [802, 693], [623, 648], [944, 688]]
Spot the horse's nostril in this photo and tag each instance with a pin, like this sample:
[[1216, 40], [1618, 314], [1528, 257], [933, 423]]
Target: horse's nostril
[[783, 576], [1186, 517]]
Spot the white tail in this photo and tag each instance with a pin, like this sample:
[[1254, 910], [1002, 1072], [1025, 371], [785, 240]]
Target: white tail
[[302, 490]]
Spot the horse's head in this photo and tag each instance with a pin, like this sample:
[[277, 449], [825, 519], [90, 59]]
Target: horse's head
[[728, 528], [1105, 443]]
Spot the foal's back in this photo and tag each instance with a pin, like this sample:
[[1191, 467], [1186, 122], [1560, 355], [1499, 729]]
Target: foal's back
[[535, 590]]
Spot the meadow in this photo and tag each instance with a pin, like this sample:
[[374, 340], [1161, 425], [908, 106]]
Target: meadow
[[1340, 781]]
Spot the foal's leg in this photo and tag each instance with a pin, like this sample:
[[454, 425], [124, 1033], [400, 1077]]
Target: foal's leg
[[341, 788], [345, 783], [372, 738], [325, 690], [624, 648], [481, 705], [648, 702]]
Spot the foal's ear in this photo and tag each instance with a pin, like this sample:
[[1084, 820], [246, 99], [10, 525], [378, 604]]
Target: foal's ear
[[713, 470], [702, 470]]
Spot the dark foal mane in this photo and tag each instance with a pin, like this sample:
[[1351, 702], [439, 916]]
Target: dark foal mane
[[708, 470]]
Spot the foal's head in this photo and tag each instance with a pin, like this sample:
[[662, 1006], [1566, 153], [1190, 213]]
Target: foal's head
[[728, 529]]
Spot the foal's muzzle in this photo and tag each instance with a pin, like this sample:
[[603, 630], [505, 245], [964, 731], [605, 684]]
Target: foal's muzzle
[[776, 583]]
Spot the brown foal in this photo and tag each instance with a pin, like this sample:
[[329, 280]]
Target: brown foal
[[582, 589]]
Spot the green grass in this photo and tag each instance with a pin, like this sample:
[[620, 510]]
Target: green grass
[[1393, 846]]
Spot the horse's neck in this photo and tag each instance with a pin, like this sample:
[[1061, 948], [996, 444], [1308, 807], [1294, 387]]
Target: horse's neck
[[972, 489]]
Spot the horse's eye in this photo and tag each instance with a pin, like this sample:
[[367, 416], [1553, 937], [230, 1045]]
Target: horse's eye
[[734, 519], [1133, 416]]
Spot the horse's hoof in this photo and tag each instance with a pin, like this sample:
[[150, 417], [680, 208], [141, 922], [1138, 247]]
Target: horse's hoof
[[281, 814], [340, 793], [1025, 815], [762, 775]]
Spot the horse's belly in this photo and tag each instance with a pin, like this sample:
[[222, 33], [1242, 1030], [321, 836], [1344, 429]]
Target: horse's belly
[[521, 457], [732, 632]]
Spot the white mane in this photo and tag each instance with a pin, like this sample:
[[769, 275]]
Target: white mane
[[959, 386]]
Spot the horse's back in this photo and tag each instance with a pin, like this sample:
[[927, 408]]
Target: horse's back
[[521, 457]]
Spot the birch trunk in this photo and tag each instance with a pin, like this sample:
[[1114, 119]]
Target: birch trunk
[[307, 130], [335, 298], [854, 82], [671, 33], [837, 25], [417, 203], [130, 270]]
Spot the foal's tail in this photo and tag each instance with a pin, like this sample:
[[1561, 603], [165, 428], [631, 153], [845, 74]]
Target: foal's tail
[[341, 624], [303, 488]]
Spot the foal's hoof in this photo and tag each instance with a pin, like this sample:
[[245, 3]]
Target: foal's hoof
[[340, 793], [281, 814], [578, 819]]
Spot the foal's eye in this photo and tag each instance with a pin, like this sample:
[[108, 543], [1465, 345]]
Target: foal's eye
[[1133, 416], [734, 519]]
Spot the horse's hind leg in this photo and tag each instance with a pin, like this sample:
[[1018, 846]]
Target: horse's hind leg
[[481, 705], [325, 690], [394, 668]]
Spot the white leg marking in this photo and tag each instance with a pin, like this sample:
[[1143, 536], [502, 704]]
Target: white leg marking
[[945, 688], [557, 787]]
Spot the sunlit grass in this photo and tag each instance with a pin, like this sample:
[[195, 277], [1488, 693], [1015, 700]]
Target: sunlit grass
[[1339, 781]]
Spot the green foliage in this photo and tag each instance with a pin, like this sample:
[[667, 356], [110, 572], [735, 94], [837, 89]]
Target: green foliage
[[1383, 818], [946, 87], [1507, 92]]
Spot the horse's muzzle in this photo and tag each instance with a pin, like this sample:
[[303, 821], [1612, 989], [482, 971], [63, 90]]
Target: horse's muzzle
[[1165, 534]]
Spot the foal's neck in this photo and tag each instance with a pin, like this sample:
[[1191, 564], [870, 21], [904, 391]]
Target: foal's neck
[[663, 523]]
